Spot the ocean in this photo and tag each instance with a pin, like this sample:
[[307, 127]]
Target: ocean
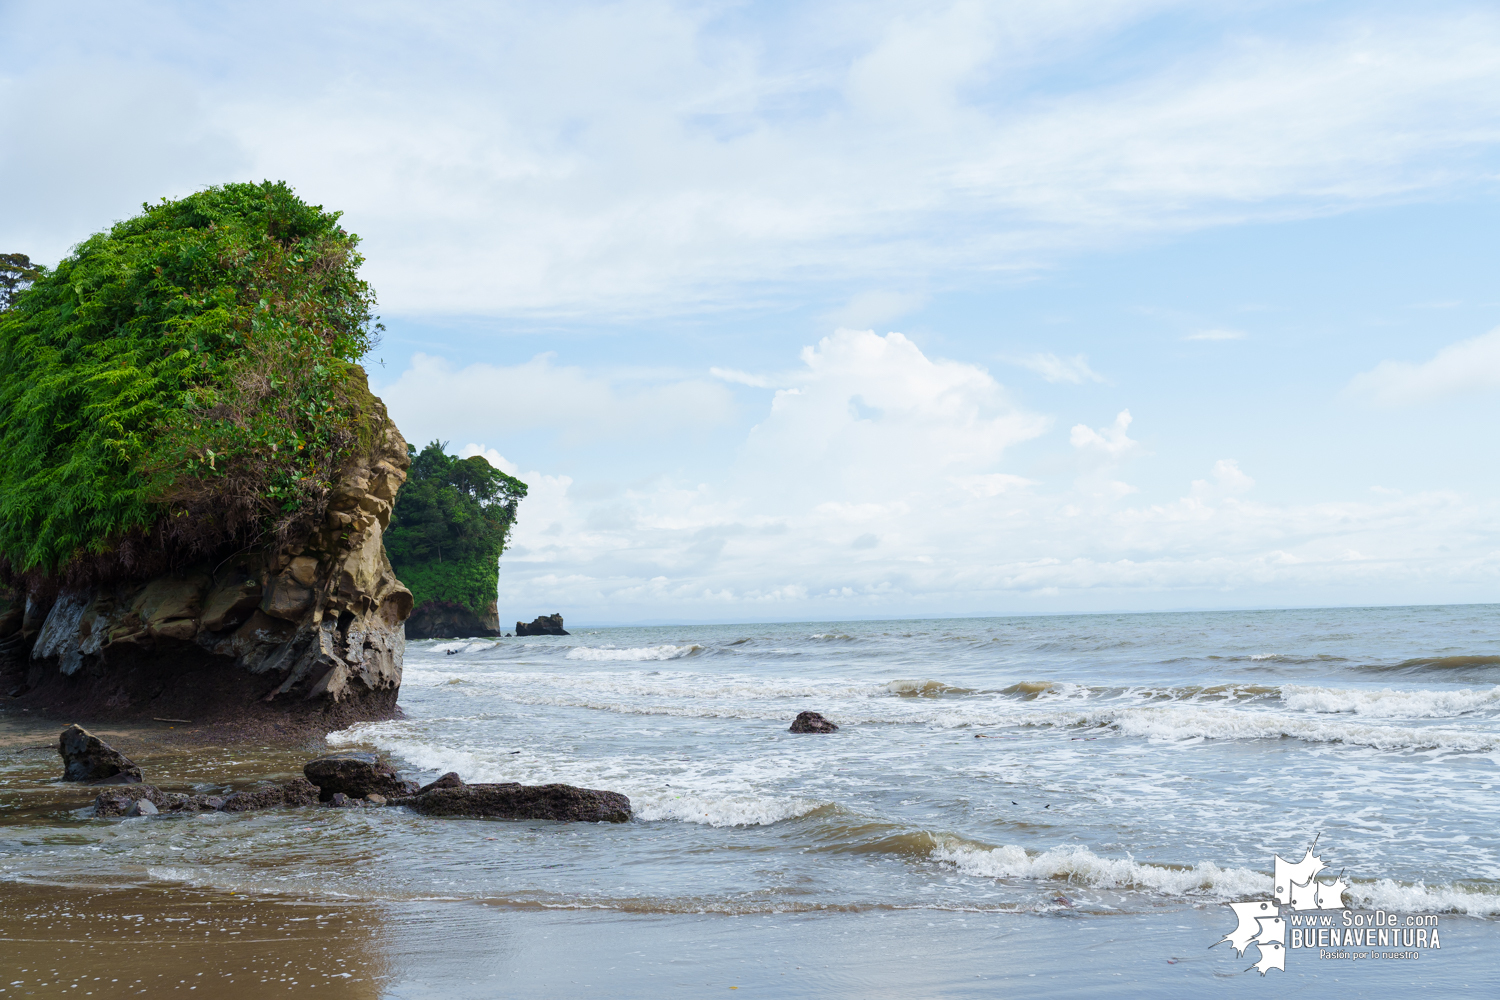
[[1047, 806]]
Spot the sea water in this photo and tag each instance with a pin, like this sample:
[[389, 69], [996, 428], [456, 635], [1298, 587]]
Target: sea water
[[987, 774]]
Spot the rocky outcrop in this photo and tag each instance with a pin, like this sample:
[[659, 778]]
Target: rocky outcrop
[[447, 620], [812, 722], [267, 795], [88, 758], [544, 625], [357, 775], [310, 631], [510, 800]]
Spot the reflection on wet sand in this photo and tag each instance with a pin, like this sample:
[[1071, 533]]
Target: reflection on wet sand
[[158, 939]]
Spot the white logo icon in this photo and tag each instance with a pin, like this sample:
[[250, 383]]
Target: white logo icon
[[1260, 920]]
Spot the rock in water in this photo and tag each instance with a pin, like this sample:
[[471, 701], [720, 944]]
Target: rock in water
[[356, 775], [88, 758], [142, 807], [268, 795], [515, 801], [544, 625], [812, 722], [449, 780]]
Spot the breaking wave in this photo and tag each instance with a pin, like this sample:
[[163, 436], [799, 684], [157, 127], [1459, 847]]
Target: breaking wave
[[636, 654]]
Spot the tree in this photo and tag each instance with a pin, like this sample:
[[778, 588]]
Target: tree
[[16, 275], [181, 384], [450, 525]]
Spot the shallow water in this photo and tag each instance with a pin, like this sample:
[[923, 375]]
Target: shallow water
[[1088, 768]]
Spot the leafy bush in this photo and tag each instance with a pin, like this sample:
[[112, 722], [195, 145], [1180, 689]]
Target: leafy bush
[[181, 383], [449, 527]]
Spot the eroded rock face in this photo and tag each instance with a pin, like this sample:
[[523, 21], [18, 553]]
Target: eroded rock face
[[812, 722], [510, 800], [446, 620], [88, 758], [356, 775], [544, 625], [314, 628]]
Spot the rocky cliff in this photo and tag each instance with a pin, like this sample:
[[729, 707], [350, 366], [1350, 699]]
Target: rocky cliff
[[308, 632]]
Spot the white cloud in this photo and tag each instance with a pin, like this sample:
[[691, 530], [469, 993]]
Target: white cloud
[[1216, 335], [1228, 481], [1055, 369], [651, 157], [824, 513], [1468, 366], [433, 396], [1112, 442]]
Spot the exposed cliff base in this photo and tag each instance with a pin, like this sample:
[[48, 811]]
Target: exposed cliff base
[[450, 620]]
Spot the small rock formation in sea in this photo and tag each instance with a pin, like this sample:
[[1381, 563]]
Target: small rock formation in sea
[[812, 722], [509, 800], [544, 625], [88, 758], [357, 775]]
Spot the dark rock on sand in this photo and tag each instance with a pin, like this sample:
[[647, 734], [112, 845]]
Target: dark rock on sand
[[515, 801], [544, 625], [812, 722], [356, 775], [88, 758], [269, 795]]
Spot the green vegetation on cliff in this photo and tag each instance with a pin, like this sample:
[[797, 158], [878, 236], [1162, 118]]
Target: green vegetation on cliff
[[181, 383], [449, 527]]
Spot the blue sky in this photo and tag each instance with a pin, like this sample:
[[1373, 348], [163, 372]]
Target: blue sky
[[850, 310]]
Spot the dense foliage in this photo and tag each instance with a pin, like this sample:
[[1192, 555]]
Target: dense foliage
[[449, 527], [17, 272], [182, 382]]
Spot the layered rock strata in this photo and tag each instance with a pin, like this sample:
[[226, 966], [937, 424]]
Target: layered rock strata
[[309, 632]]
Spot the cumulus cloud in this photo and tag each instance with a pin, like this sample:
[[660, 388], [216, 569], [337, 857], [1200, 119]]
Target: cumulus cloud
[[917, 508], [1112, 442], [1468, 366], [1055, 369]]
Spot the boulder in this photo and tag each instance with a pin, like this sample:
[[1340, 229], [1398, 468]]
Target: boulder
[[142, 807], [812, 722], [515, 801], [88, 758], [356, 775], [449, 780], [544, 625]]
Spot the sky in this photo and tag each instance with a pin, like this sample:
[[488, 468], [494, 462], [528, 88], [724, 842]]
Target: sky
[[822, 311]]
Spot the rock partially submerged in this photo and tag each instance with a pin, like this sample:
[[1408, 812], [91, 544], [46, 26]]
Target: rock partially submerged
[[812, 722], [510, 800], [88, 758], [268, 795], [356, 775], [543, 625]]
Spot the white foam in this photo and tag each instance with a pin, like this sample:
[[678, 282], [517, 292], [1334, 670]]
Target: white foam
[[1080, 865], [1389, 704], [635, 654], [742, 809]]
